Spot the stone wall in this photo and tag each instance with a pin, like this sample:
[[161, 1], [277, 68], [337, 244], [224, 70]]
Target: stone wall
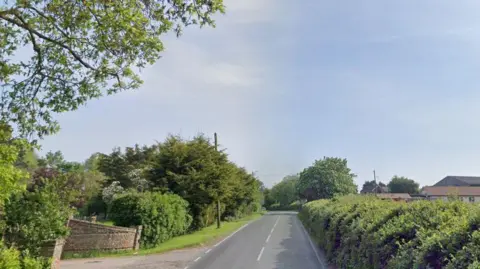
[[53, 249], [88, 236]]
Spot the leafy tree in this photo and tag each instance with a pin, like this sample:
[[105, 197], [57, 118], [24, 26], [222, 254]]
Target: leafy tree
[[110, 193], [119, 165], [403, 185], [82, 50], [326, 178], [197, 172], [52, 160], [373, 187], [268, 199], [12, 179], [285, 192], [35, 217]]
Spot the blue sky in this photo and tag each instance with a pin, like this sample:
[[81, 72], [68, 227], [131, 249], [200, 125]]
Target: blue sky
[[389, 85]]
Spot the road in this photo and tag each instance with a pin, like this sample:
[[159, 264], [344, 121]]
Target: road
[[276, 241]]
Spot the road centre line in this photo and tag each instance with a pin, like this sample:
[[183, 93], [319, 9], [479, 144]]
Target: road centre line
[[268, 238], [260, 255]]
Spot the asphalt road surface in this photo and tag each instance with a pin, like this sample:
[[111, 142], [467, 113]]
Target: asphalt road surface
[[276, 241]]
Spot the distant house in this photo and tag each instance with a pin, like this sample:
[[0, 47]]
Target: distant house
[[465, 193], [458, 181], [394, 196]]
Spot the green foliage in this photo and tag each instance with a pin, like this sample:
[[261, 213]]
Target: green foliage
[[373, 187], [82, 50], [12, 179], [279, 207], [403, 185], [162, 216], [285, 192], [325, 179], [365, 232], [198, 173], [35, 217], [11, 258]]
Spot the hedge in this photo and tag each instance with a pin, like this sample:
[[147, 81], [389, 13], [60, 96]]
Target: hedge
[[366, 232], [162, 216]]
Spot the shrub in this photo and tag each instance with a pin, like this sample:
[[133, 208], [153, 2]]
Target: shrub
[[35, 217], [365, 232], [162, 216], [11, 258]]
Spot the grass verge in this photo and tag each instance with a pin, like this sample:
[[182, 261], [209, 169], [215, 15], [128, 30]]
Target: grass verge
[[199, 238]]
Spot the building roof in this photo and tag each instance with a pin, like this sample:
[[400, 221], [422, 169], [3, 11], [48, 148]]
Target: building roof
[[393, 195], [459, 181], [451, 190]]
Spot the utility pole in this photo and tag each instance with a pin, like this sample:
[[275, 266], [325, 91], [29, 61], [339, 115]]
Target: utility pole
[[375, 182], [218, 198]]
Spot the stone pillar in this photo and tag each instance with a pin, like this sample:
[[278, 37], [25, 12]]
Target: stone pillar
[[138, 234], [53, 249]]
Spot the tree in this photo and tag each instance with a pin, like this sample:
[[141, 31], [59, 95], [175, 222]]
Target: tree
[[326, 178], [403, 185], [109, 193], [81, 50], [52, 160], [35, 217], [285, 192], [12, 179], [373, 187], [198, 173]]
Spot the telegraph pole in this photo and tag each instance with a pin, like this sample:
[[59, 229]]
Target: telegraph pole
[[218, 198]]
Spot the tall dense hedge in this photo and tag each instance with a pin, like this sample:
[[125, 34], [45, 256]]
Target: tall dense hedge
[[365, 232], [162, 216]]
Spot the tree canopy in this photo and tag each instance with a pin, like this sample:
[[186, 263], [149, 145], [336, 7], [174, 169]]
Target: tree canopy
[[285, 192], [373, 187], [326, 178], [78, 50], [403, 185]]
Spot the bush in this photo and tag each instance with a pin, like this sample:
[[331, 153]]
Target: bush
[[11, 258], [162, 216], [36, 217], [365, 232]]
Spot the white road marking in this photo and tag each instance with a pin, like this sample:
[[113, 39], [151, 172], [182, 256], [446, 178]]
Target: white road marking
[[271, 231], [208, 250], [196, 260], [268, 238], [260, 255], [312, 245]]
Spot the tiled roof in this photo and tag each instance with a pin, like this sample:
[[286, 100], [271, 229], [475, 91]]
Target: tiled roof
[[393, 195], [452, 190]]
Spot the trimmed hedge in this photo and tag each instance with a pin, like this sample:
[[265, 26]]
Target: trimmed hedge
[[366, 232], [162, 216]]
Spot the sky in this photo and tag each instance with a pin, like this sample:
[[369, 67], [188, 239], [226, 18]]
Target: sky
[[389, 85]]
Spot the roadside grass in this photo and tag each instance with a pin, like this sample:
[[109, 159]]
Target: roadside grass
[[203, 237]]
